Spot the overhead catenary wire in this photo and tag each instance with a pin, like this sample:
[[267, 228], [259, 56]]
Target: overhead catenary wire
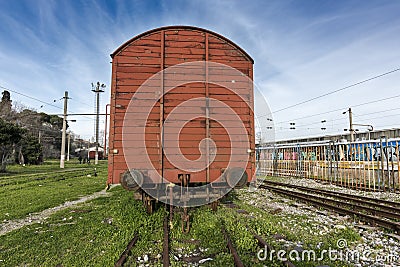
[[381, 117], [306, 126], [332, 92], [80, 102], [375, 112], [41, 101], [361, 115], [337, 90], [334, 130], [30, 97], [315, 123], [339, 109]]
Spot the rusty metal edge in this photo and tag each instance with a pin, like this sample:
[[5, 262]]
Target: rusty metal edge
[[124, 254], [236, 258], [166, 243], [270, 248]]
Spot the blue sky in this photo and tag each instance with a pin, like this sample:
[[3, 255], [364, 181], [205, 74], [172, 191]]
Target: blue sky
[[301, 49]]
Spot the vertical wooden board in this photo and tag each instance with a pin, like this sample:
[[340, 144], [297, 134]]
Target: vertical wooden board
[[140, 59], [111, 130]]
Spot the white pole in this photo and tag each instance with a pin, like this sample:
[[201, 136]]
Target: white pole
[[62, 158], [69, 144]]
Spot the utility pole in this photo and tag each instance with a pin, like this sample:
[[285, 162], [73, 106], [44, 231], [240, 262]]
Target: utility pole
[[88, 151], [105, 133], [69, 144], [62, 159], [97, 90], [351, 125]]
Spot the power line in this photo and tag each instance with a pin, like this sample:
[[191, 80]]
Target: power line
[[80, 102], [301, 126], [387, 125], [375, 112], [381, 117], [361, 115], [41, 101], [304, 126], [334, 91], [30, 97], [339, 109]]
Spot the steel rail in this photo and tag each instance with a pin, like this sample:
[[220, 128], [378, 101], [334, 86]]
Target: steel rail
[[124, 255], [388, 202], [319, 201], [263, 243], [25, 182], [370, 198], [238, 262], [392, 211], [361, 187], [165, 258], [166, 243]]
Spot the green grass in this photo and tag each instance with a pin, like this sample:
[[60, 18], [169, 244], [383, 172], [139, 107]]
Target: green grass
[[46, 186], [295, 228], [94, 234], [48, 165], [205, 228]]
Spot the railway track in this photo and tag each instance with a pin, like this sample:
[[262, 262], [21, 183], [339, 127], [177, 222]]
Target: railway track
[[5, 176], [263, 244], [166, 246], [165, 255], [124, 255], [376, 212], [166, 242], [236, 259], [123, 259], [54, 175], [374, 202], [358, 186]]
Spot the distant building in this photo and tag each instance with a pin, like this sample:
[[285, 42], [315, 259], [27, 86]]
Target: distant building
[[83, 152], [358, 136]]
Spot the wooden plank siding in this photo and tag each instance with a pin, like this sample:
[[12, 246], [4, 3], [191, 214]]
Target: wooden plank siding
[[149, 53]]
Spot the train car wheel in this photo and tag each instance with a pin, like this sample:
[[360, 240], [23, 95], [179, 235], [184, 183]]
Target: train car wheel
[[131, 180], [236, 177]]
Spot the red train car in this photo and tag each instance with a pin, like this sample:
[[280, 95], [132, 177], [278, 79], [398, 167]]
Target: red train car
[[181, 117]]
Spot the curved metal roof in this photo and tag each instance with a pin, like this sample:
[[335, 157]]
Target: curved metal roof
[[178, 27]]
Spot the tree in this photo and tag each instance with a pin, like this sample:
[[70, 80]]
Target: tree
[[31, 149], [39, 125], [10, 135]]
